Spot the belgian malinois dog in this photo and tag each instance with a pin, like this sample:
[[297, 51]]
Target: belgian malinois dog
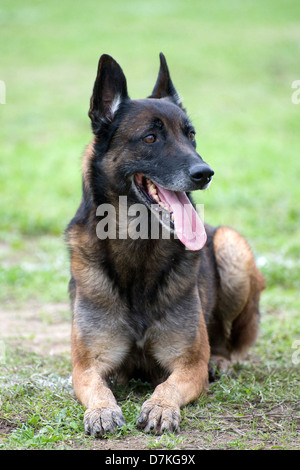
[[166, 308]]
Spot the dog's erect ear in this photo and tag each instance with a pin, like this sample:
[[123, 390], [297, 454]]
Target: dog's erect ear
[[110, 90], [164, 87]]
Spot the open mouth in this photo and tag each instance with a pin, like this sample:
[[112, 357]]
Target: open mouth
[[150, 193], [175, 211]]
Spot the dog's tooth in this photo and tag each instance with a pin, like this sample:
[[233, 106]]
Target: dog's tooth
[[172, 217], [164, 206], [153, 188]]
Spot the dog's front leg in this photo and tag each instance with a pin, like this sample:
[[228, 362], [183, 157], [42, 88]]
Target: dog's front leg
[[189, 377], [91, 365]]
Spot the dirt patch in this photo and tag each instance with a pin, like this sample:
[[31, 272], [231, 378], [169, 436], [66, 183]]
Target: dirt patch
[[44, 329], [5, 427], [127, 443]]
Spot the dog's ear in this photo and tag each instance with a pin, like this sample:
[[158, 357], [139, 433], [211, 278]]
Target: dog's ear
[[164, 87], [110, 90]]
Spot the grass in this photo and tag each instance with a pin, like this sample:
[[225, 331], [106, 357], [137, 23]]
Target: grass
[[233, 63], [253, 408]]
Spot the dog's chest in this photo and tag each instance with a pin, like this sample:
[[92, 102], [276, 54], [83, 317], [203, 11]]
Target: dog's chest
[[146, 292]]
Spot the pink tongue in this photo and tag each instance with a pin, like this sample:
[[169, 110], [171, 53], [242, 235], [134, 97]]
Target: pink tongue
[[188, 226]]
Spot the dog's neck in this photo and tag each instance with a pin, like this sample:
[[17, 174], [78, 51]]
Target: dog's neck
[[141, 269], [142, 259]]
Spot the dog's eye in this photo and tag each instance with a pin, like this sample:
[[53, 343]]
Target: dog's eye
[[150, 139], [192, 136]]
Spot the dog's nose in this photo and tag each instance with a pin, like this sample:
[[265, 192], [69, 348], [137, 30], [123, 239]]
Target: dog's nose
[[201, 173]]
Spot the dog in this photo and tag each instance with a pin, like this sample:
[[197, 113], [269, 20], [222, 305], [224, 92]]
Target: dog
[[167, 309]]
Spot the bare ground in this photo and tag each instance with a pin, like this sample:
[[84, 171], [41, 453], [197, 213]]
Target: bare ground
[[39, 328]]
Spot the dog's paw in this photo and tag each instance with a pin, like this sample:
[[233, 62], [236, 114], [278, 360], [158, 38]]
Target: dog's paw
[[100, 421], [218, 366], [158, 417]]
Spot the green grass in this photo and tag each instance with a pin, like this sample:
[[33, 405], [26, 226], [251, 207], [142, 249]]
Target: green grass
[[233, 63], [253, 408]]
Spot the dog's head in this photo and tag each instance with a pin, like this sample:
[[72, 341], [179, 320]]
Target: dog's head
[[145, 149]]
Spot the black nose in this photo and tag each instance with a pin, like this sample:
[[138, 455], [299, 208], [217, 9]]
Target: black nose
[[201, 174]]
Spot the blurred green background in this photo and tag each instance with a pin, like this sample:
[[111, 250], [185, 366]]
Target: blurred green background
[[232, 62]]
